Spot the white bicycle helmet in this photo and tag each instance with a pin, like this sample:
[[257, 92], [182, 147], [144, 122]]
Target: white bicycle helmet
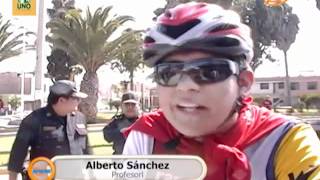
[[198, 26]]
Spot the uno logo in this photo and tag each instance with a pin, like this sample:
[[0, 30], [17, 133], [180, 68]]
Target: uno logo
[[23, 7], [41, 168], [24, 1], [274, 2], [24, 4]]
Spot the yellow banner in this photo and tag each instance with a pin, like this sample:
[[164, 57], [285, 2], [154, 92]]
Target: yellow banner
[[273, 3], [23, 7]]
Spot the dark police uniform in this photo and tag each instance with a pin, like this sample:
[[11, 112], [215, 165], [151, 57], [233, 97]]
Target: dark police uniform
[[48, 135], [112, 133]]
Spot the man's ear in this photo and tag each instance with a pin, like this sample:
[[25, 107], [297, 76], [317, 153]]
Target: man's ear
[[61, 99], [245, 81]]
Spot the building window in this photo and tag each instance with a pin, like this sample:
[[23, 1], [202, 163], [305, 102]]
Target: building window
[[264, 85], [281, 85], [294, 86], [312, 85]]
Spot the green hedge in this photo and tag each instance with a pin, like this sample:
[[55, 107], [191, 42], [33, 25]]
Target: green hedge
[[311, 100]]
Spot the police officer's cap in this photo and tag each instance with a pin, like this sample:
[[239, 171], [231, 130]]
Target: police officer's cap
[[129, 97], [66, 88]]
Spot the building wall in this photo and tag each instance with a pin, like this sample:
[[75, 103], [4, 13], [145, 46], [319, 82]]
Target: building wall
[[144, 92], [277, 87], [10, 83]]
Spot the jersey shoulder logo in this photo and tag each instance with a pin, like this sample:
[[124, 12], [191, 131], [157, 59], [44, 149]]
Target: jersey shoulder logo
[[303, 175]]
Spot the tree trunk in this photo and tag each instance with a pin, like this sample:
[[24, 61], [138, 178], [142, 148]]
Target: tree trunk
[[287, 79], [131, 80], [90, 86]]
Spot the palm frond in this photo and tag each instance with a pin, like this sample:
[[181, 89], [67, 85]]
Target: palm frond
[[9, 43], [88, 39]]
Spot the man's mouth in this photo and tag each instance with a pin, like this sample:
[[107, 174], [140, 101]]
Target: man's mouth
[[189, 107]]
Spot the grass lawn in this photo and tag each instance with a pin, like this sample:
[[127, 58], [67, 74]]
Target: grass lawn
[[309, 112], [102, 151], [105, 115], [4, 158], [95, 139], [5, 145]]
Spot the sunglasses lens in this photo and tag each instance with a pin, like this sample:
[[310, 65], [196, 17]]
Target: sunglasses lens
[[212, 73], [201, 72], [168, 74]]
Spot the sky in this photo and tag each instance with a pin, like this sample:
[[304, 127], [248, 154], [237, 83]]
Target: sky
[[303, 56]]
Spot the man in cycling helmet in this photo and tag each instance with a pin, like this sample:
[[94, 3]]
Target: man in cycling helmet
[[201, 54]]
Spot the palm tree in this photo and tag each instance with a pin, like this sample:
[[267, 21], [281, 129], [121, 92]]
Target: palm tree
[[130, 56], [89, 41], [9, 43], [60, 8], [60, 64]]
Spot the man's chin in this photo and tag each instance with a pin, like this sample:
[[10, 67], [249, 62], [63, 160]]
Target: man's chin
[[190, 132], [190, 127], [184, 118]]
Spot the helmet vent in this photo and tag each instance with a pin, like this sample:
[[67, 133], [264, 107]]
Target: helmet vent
[[148, 39], [223, 42], [176, 31], [223, 27], [148, 54], [168, 14]]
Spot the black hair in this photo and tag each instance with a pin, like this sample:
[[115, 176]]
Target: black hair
[[53, 98]]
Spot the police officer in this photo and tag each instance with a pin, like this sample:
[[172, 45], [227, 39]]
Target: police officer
[[130, 112], [57, 129]]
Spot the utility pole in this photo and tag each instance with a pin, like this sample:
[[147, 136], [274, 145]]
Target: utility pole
[[39, 75], [288, 95], [22, 75], [142, 96]]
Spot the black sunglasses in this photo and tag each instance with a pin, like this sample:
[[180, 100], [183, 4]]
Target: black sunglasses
[[202, 71]]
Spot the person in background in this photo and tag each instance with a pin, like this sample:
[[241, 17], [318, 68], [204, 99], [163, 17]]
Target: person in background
[[1, 104], [119, 123], [201, 56], [267, 102], [2, 110], [56, 129]]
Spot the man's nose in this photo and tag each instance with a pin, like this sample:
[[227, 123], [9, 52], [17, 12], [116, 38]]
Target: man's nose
[[186, 83]]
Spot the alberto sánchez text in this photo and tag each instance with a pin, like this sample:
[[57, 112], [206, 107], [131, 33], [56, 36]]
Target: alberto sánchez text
[[129, 165]]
